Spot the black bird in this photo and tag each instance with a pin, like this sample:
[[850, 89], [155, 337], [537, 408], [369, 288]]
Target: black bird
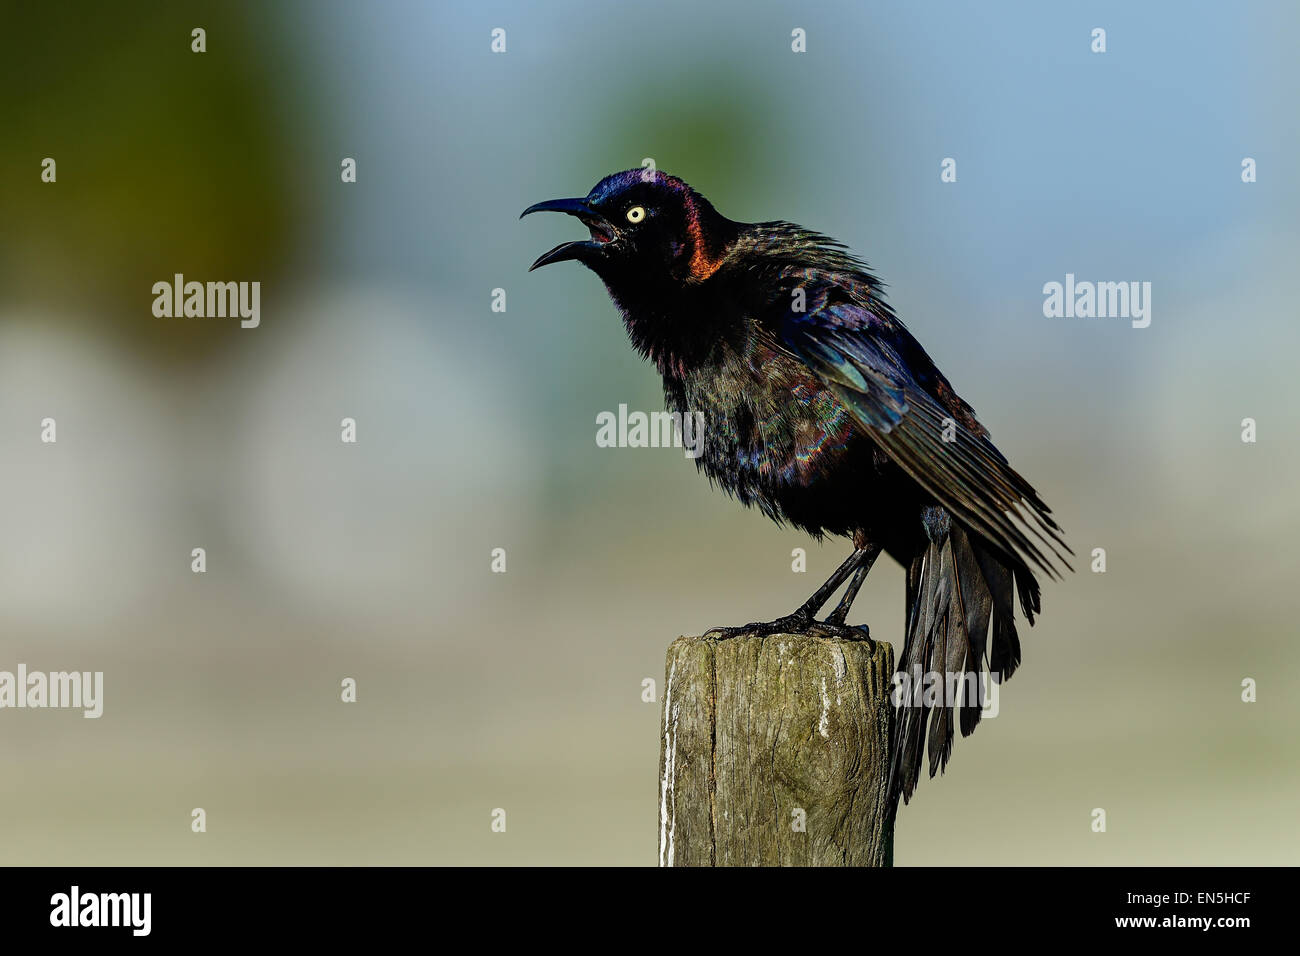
[[823, 410]]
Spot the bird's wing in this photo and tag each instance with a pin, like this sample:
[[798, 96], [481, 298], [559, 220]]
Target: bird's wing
[[876, 369]]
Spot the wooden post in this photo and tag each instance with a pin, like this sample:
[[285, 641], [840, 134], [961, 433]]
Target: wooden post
[[775, 752]]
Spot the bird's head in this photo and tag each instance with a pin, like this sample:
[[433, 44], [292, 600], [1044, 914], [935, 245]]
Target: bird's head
[[647, 228]]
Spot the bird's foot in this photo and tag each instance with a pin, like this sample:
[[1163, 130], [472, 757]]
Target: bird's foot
[[848, 632], [800, 622], [796, 623]]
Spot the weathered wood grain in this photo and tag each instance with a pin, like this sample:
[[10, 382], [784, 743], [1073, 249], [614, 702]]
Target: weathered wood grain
[[756, 729]]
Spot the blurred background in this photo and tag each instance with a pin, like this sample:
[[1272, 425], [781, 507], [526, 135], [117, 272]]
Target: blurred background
[[475, 429]]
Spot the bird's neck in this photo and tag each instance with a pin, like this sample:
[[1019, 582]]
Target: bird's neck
[[678, 314], [672, 327]]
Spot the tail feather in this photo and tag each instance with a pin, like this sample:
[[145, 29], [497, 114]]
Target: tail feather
[[958, 594], [1004, 655], [977, 600]]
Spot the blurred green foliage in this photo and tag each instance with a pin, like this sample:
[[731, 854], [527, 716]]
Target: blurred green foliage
[[167, 161]]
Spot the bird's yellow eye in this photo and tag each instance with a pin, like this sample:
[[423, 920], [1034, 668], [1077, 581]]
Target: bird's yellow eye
[[636, 214]]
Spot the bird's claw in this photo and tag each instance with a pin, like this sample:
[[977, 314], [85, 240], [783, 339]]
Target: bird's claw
[[848, 632], [796, 623]]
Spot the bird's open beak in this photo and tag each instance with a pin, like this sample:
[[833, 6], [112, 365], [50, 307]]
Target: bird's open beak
[[602, 232]]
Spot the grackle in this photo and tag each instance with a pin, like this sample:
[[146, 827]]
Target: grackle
[[822, 410]]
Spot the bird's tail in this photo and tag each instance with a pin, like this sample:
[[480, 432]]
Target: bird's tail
[[956, 589]]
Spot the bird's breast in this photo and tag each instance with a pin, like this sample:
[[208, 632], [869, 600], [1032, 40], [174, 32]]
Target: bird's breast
[[769, 423]]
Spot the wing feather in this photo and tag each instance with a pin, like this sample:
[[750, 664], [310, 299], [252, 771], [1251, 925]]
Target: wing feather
[[857, 353]]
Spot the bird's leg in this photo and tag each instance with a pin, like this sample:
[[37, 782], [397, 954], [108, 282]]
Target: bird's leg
[[802, 619], [837, 616]]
